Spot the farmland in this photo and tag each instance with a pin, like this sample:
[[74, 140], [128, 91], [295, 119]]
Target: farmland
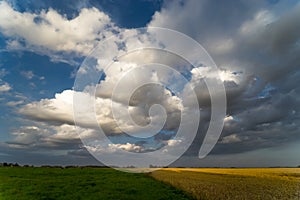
[[81, 183], [267, 183], [169, 183]]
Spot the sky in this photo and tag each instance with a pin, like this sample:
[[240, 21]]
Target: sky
[[44, 46]]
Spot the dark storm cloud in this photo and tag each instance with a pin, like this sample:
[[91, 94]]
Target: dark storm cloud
[[44, 157], [258, 43]]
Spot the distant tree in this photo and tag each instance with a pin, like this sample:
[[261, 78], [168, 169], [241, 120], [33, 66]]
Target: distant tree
[[16, 165]]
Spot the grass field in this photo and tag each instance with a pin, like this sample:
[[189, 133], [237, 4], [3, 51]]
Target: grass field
[[81, 183], [253, 184]]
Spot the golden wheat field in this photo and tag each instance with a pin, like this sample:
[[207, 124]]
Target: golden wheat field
[[246, 183]]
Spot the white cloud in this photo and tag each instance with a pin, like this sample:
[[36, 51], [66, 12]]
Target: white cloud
[[208, 72], [5, 87], [111, 148], [173, 142], [228, 119], [27, 74], [234, 138], [45, 136], [67, 132], [258, 23], [50, 30], [14, 103], [126, 147], [20, 96], [60, 108], [27, 135]]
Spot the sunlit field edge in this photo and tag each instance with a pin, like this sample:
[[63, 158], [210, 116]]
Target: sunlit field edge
[[234, 183]]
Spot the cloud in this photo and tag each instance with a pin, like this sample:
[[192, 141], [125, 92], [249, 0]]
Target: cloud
[[14, 103], [59, 110], [30, 75], [130, 147], [245, 37], [48, 156], [173, 142], [111, 148], [126, 147], [259, 21], [256, 49], [230, 139], [49, 137], [27, 74], [5, 87], [48, 32]]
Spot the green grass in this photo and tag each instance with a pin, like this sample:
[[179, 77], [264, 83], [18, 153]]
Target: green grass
[[250, 184], [81, 183]]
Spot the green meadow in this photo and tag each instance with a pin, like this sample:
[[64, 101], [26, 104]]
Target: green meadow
[[81, 183]]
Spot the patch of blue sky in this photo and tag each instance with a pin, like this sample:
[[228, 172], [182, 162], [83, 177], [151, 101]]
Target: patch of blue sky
[[129, 13], [50, 77], [124, 13], [2, 43], [149, 143], [267, 91], [8, 122]]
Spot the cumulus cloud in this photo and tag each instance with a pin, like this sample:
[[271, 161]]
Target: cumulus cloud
[[44, 137], [55, 110], [59, 110], [48, 32]]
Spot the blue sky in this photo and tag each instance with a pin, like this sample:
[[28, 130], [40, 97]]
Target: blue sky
[[254, 44]]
